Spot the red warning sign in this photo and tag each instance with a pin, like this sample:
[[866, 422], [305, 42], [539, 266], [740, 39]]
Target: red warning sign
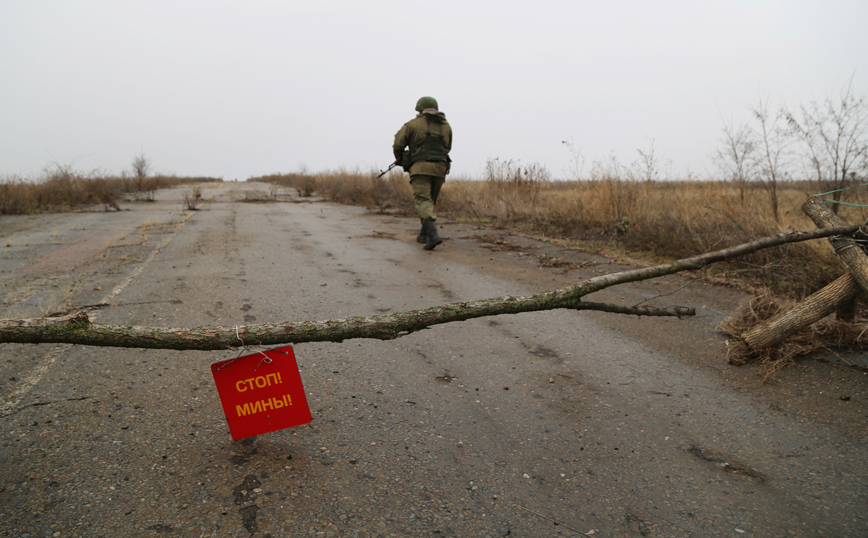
[[261, 392]]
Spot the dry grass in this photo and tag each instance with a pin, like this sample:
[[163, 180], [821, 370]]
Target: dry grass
[[304, 183], [658, 221], [193, 198], [355, 187], [59, 192], [64, 190]]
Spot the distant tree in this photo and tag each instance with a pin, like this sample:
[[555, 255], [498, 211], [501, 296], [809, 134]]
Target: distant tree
[[736, 154], [141, 165], [834, 134], [772, 159]]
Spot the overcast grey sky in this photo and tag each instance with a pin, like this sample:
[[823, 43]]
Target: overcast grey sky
[[244, 88]]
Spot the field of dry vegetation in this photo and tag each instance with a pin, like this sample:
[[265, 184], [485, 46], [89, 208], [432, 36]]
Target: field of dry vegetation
[[645, 222], [65, 190]]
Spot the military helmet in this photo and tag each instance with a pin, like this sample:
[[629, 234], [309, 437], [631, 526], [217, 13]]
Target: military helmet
[[426, 102]]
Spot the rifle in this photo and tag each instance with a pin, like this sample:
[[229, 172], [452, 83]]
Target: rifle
[[384, 172]]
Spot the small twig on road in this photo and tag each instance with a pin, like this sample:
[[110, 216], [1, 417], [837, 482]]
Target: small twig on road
[[39, 404], [677, 311], [552, 520]]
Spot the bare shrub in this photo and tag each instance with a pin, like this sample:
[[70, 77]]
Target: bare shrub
[[141, 165], [774, 159], [647, 167], [834, 136], [105, 191], [510, 171], [512, 189], [193, 198], [15, 196], [826, 141], [379, 193], [391, 191], [273, 192], [145, 189], [305, 184], [576, 168]]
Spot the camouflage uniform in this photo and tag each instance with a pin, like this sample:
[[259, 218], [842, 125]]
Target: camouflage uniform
[[429, 139]]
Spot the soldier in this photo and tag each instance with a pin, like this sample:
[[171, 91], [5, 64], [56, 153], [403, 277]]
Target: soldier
[[429, 139]]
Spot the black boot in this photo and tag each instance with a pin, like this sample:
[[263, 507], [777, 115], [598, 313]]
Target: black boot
[[433, 236], [423, 235]]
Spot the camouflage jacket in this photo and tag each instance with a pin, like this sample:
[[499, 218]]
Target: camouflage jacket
[[412, 135]]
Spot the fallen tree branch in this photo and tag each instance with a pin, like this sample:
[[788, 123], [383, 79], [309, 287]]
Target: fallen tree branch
[[76, 328], [768, 334], [678, 311], [847, 250]]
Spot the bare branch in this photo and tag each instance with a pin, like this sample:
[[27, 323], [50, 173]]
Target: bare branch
[[736, 155], [77, 329], [773, 162], [141, 165], [835, 133], [677, 311]]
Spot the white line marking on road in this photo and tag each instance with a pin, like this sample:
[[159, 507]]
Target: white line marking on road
[[35, 375], [30, 380]]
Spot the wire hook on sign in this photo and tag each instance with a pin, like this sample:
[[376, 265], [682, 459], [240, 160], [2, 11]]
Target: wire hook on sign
[[244, 347], [224, 364], [266, 359]]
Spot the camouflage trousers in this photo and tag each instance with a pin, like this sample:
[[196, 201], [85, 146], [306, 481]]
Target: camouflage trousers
[[426, 189]]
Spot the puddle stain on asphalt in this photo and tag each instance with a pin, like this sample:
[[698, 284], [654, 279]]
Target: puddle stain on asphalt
[[245, 494], [248, 517], [241, 459]]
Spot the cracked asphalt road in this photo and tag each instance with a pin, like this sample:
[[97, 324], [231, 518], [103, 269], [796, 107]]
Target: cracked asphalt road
[[558, 423]]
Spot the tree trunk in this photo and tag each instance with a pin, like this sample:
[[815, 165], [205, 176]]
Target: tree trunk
[[837, 296], [769, 334], [851, 255], [846, 311]]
